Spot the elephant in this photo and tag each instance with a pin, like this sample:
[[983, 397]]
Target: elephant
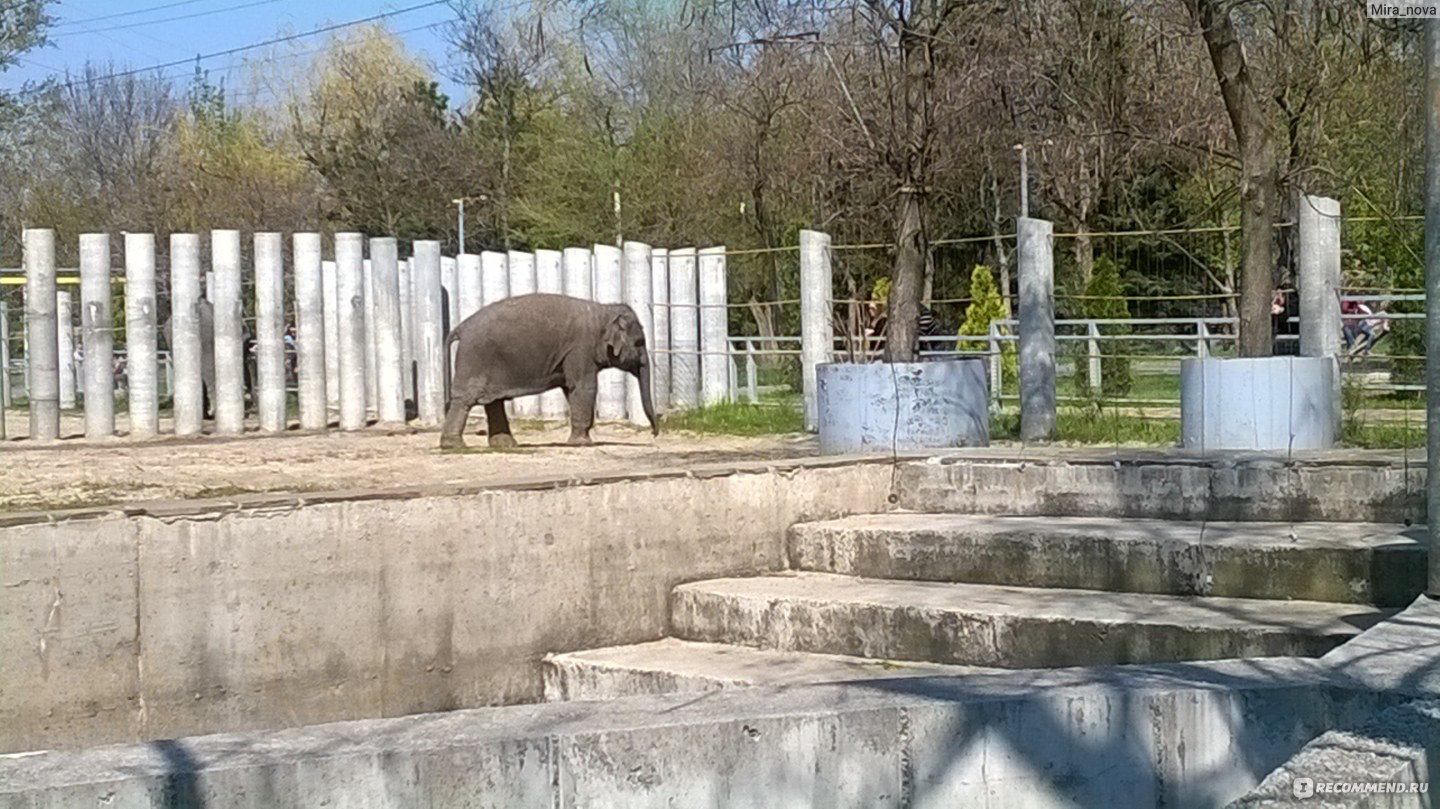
[[532, 343], [207, 353]]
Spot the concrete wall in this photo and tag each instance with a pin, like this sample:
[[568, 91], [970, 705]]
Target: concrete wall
[[277, 611]]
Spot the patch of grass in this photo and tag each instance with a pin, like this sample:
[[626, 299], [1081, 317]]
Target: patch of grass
[[1384, 434], [1094, 426], [773, 415]]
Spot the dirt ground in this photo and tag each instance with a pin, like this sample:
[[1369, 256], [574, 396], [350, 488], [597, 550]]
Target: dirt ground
[[75, 472]]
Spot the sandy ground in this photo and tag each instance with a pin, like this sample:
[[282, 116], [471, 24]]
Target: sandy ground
[[74, 472]]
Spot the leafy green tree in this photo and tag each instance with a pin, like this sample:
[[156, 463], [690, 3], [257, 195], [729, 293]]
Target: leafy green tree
[[1104, 299], [985, 307]]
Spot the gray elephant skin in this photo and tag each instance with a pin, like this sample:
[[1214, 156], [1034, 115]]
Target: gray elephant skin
[[532, 343], [207, 352]]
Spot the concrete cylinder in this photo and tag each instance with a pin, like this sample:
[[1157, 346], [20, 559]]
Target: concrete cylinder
[[524, 281], [229, 392], [367, 285], [389, 378], [471, 279], [270, 331], [816, 333], [429, 332], [660, 349], [494, 277], [42, 354], [714, 328], [98, 335], [578, 273], [186, 346], [1035, 259], [684, 330], [407, 327], [329, 299], [450, 282], [65, 314], [1318, 227], [550, 279], [609, 287], [639, 286], [1266, 403], [142, 364], [310, 328], [887, 407], [350, 305]]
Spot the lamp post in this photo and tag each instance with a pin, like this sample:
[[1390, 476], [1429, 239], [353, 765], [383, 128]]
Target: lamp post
[[459, 203]]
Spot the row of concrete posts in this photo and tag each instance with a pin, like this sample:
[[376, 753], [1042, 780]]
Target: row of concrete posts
[[370, 331]]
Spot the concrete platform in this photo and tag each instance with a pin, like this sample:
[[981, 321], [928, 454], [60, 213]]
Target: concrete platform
[[671, 666], [1346, 562], [1009, 627]]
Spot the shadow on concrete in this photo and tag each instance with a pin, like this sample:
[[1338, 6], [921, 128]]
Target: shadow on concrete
[[181, 787]]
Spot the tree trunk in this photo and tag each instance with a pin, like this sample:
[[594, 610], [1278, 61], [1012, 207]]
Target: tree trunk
[[1259, 178], [908, 278], [1084, 256]]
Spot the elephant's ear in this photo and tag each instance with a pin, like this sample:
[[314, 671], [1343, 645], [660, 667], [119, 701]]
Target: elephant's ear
[[614, 337]]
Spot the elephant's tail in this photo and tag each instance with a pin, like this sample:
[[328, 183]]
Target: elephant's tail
[[450, 339]]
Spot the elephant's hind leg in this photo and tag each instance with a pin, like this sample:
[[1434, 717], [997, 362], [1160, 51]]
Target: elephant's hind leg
[[498, 425], [452, 434]]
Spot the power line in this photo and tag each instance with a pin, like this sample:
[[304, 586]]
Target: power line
[[131, 13], [177, 18]]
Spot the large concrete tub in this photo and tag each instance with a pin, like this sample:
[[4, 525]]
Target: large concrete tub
[[869, 407], [1266, 403]]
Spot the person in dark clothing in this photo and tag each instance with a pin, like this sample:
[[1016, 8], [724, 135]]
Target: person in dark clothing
[[1285, 305], [879, 321]]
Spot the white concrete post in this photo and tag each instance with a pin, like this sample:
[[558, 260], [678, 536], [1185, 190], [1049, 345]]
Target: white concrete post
[[714, 328], [389, 376], [98, 335], [816, 334], [1035, 259], [523, 281], [684, 330], [494, 277], [65, 313], [1092, 343], [229, 394], [367, 284], [550, 278], [429, 332], [5, 394], [407, 327], [1318, 227], [329, 299], [609, 287], [997, 366], [578, 273], [310, 333], [752, 386], [639, 286], [42, 335], [471, 278], [450, 282], [186, 350], [660, 349], [142, 365], [270, 331], [350, 306], [1202, 339]]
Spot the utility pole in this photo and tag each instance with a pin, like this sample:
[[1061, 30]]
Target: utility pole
[[1432, 300], [1024, 182], [460, 203]]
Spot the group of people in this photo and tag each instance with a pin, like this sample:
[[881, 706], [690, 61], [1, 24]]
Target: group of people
[[1361, 326]]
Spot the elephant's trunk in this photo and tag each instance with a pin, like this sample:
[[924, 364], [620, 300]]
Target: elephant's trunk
[[644, 376]]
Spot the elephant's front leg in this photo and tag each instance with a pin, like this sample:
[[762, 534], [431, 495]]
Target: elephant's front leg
[[497, 424], [581, 397]]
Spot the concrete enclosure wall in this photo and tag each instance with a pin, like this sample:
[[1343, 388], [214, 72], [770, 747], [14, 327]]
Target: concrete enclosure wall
[[145, 623]]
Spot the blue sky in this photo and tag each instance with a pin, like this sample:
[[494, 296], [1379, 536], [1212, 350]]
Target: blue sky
[[139, 33]]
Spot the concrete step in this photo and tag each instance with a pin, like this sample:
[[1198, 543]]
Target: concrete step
[[995, 625], [1363, 563], [672, 666]]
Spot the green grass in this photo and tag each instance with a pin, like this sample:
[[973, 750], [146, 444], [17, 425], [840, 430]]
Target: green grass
[[774, 415], [1089, 426]]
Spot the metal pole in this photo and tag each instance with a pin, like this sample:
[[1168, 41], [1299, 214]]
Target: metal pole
[[310, 342], [350, 321], [141, 364], [389, 376], [41, 330], [460, 203], [1432, 299], [186, 350], [270, 330], [1024, 182], [98, 335]]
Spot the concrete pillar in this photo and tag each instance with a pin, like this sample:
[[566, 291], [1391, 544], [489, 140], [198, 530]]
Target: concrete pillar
[[714, 328], [350, 306], [42, 335], [450, 282], [367, 285], [186, 348], [98, 335], [660, 348], [6, 396], [270, 331], [429, 332], [684, 330], [578, 273], [609, 288], [494, 277], [639, 286], [816, 333], [310, 332], [329, 299], [524, 281], [65, 314], [229, 403], [550, 279], [471, 280], [407, 327], [1035, 259], [389, 378], [142, 365], [1318, 226]]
